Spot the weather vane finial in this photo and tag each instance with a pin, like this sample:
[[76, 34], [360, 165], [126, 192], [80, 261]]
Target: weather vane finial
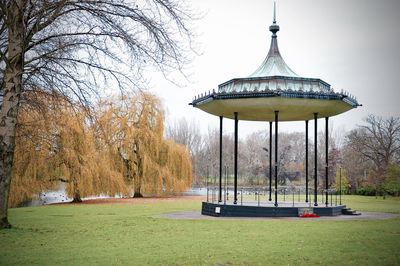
[[274, 12]]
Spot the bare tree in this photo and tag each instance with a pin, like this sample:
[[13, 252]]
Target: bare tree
[[77, 47], [356, 167], [186, 133], [377, 141], [252, 158]]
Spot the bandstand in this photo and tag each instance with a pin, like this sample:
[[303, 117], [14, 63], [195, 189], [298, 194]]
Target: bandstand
[[275, 93]]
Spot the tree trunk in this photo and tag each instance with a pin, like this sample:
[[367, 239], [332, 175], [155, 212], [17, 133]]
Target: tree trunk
[[76, 199], [138, 186], [139, 173], [11, 91], [137, 194], [77, 194]]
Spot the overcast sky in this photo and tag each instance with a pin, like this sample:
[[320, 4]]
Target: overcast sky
[[352, 45]]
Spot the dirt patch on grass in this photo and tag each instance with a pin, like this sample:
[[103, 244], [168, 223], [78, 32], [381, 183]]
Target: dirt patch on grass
[[137, 200]]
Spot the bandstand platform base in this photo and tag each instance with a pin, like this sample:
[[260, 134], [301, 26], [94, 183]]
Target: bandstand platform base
[[268, 210]]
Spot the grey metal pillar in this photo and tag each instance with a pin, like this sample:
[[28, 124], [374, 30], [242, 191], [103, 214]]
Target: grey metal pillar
[[326, 160], [236, 158], [270, 160], [306, 160], [315, 159], [276, 158], [220, 159]]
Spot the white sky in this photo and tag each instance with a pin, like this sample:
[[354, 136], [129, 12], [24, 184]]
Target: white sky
[[352, 45]]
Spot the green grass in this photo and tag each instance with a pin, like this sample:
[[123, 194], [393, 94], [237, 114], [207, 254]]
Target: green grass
[[122, 234], [379, 204]]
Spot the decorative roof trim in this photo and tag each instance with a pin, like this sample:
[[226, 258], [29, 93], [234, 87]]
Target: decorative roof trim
[[207, 97]]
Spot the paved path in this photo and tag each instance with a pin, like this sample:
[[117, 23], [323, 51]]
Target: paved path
[[196, 215]]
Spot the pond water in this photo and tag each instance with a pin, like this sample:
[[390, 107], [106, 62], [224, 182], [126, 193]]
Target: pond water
[[59, 196]]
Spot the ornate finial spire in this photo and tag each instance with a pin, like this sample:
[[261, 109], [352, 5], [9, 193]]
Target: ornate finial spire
[[273, 64], [274, 28]]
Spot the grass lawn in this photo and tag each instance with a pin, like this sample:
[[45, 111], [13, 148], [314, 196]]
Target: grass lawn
[[121, 234]]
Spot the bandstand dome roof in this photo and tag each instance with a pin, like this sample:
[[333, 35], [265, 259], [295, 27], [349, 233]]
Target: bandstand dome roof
[[273, 86]]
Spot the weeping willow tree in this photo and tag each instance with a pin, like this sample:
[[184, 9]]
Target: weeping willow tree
[[55, 143], [33, 150], [132, 128], [79, 163], [123, 151]]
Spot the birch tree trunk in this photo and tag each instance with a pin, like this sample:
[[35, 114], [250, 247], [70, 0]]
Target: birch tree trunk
[[11, 95]]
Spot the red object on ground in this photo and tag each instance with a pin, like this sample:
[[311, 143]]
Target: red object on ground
[[309, 215]]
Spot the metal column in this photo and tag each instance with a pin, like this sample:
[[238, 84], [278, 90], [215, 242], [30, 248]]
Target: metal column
[[236, 158], [220, 160], [270, 160], [340, 185], [326, 160], [315, 159], [276, 158], [306, 160]]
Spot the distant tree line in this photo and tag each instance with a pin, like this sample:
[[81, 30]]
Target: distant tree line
[[367, 158]]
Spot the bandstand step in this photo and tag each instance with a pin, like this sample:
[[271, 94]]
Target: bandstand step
[[349, 211]]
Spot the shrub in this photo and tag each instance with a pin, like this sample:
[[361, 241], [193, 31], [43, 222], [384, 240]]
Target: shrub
[[367, 190]]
